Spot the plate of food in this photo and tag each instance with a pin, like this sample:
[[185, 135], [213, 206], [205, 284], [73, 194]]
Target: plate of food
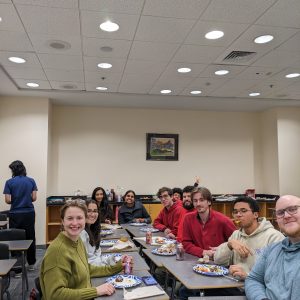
[[168, 249], [104, 232], [107, 243], [210, 270], [117, 256], [151, 229], [124, 281], [162, 240], [138, 224]]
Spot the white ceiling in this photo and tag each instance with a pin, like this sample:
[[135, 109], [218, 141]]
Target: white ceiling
[[155, 38]]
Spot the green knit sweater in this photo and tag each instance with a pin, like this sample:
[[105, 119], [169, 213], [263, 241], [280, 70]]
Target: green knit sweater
[[65, 273]]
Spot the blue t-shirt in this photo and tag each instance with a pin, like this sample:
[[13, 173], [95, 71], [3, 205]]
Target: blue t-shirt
[[20, 188]]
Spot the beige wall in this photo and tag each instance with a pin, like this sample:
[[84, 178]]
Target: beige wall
[[24, 136], [97, 146], [289, 150]]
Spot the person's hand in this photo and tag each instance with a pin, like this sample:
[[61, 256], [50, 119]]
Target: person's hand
[[243, 250], [105, 289], [167, 231], [140, 220], [210, 253], [197, 179], [237, 271], [171, 236], [107, 221]]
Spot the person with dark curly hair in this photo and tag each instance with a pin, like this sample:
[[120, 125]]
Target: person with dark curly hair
[[106, 213], [20, 192]]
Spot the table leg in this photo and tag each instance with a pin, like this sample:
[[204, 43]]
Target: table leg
[[1, 288], [23, 275]]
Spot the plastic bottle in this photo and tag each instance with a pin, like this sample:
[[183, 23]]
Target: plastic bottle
[[148, 237], [179, 252], [127, 267]]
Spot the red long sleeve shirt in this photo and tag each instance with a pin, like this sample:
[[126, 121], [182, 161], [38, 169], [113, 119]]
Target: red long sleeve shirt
[[169, 218], [197, 236]]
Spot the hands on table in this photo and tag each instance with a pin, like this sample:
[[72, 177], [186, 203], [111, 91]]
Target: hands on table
[[237, 271]]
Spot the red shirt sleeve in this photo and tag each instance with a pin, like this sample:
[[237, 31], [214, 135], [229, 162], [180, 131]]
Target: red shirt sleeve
[[158, 222]]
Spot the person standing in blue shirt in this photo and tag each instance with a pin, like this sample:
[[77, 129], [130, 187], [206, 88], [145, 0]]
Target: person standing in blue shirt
[[20, 192]]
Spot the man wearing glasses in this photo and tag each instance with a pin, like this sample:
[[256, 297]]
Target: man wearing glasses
[[276, 275], [169, 217], [246, 244]]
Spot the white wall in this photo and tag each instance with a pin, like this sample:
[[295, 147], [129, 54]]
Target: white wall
[[24, 136], [289, 150], [97, 146]]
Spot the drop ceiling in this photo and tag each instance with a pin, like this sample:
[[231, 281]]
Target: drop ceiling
[[156, 37]]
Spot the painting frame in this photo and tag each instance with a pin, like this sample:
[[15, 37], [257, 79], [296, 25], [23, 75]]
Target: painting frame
[[162, 146]]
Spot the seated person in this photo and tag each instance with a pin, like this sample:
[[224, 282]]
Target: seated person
[[65, 272], [276, 274], [106, 213], [169, 217], [90, 237], [132, 211], [205, 229], [177, 194], [246, 244]]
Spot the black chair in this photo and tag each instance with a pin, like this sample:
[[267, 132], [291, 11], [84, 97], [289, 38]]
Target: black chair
[[3, 217], [14, 234], [4, 254], [38, 287]]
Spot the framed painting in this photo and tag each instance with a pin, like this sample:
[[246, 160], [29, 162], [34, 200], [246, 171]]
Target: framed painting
[[162, 146]]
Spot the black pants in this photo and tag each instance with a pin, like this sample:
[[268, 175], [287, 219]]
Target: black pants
[[25, 221]]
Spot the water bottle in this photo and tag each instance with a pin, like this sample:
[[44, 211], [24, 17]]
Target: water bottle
[[179, 252]]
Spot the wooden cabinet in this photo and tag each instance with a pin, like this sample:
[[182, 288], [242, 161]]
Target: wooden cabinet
[[53, 223], [153, 209]]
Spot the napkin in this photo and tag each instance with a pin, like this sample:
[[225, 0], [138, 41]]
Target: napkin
[[143, 292], [119, 245]]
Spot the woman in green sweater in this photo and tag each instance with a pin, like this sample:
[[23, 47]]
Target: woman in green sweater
[[65, 272]]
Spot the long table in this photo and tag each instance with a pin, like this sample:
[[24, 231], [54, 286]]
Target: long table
[[108, 250], [219, 298], [20, 245], [117, 234], [119, 292], [5, 267]]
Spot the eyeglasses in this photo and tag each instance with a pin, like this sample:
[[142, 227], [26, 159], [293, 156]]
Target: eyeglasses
[[166, 196], [95, 211], [242, 211], [291, 210]]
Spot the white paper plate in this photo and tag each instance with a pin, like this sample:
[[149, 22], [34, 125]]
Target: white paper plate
[[155, 251], [220, 271], [107, 243], [138, 224], [145, 229], [128, 281], [106, 232], [116, 255]]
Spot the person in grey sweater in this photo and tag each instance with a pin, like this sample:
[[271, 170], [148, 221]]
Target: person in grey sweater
[[276, 274]]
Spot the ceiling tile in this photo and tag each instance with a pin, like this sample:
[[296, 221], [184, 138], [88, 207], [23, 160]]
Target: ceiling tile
[[292, 45], [172, 68], [258, 72], [103, 78], [91, 64], [92, 47], [187, 9], [26, 73], [64, 75], [43, 84], [130, 7], [41, 43], [152, 51], [141, 67], [61, 62], [31, 59], [207, 85], [14, 41], [90, 22], [111, 88], [50, 3], [236, 11], [209, 72], [277, 58], [231, 32], [168, 30], [158, 87], [47, 20], [197, 54], [284, 13], [133, 83], [10, 19], [175, 81], [67, 85]]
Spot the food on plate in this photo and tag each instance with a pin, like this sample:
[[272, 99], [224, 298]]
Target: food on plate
[[208, 269], [119, 279], [167, 248], [237, 222], [159, 240]]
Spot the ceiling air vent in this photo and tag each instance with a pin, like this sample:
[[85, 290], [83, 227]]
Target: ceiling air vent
[[239, 56]]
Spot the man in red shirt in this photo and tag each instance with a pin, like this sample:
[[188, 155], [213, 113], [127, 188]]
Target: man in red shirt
[[188, 207], [169, 217], [205, 229]]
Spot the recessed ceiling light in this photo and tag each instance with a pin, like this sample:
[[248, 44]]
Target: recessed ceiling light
[[292, 75], [221, 72], [213, 35], [58, 45], [165, 91], [0, 19], [32, 84], [101, 88], [195, 92], [69, 86], [106, 49], [184, 70], [254, 94], [17, 60], [263, 39], [109, 26], [104, 66]]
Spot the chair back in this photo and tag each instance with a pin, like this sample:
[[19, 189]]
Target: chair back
[[3, 217], [12, 234], [4, 251]]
